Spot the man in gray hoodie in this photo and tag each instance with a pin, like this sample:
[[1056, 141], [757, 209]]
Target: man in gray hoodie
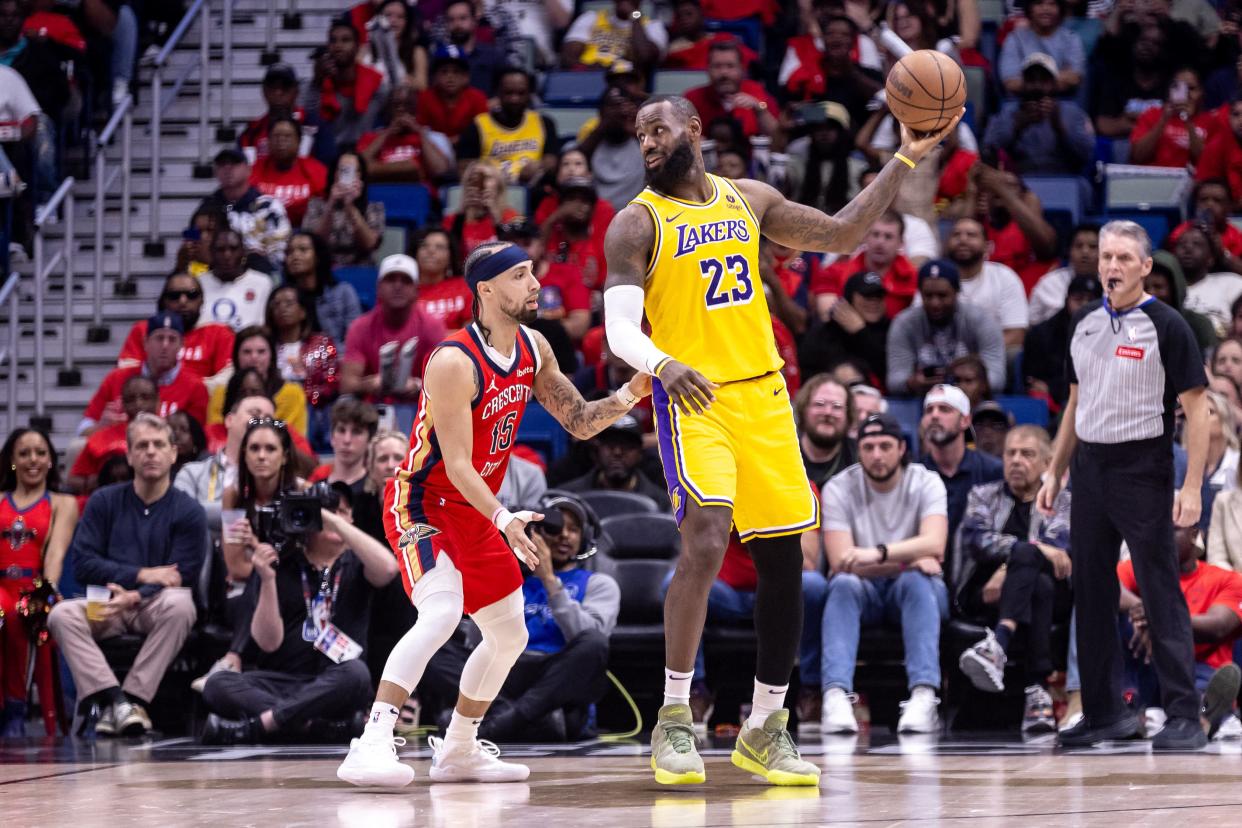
[[924, 339]]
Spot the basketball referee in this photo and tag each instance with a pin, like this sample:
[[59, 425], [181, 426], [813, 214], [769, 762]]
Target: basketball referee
[[1131, 358]]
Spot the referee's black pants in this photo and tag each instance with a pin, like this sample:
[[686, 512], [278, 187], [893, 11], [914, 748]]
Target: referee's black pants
[[1124, 491]]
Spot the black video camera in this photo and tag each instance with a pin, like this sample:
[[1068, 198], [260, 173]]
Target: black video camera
[[286, 522]]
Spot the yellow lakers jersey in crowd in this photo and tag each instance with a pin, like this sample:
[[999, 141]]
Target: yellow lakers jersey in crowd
[[704, 297], [511, 149]]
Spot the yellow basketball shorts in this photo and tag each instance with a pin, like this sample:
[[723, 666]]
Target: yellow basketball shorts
[[742, 453]]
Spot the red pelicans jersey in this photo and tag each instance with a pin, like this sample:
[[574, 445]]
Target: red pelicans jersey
[[424, 512], [22, 535]]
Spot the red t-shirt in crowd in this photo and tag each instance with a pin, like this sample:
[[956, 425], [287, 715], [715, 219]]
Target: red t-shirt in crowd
[[1174, 147], [562, 287], [694, 56], [796, 271], [294, 187], [449, 301], [1230, 237], [206, 350], [368, 333], [787, 347], [901, 280], [1011, 248], [398, 148], [55, 27], [185, 392], [710, 107], [585, 254], [334, 92], [1222, 158], [737, 9], [602, 216], [104, 443], [1208, 586], [434, 113], [474, 233]]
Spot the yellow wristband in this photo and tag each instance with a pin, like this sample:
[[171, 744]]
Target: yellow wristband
[[903, 160], [660, 365]]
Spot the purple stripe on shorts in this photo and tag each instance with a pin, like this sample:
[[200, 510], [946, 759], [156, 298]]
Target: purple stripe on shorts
[[667, 448]]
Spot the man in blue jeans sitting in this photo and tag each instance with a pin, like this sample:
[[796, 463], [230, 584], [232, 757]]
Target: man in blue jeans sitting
[[885, 528]]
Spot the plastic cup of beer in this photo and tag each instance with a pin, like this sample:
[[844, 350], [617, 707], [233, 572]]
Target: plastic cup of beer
[[227, 518], [97, 598]]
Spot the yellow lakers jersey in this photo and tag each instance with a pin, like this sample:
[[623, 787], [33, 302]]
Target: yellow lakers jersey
[[704, 297], [511, 149]]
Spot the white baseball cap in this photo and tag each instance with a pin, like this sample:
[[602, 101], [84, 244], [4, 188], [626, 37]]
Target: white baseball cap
[[398, 263], [950, 395]]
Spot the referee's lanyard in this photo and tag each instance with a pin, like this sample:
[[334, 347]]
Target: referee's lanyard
[[319, 608]]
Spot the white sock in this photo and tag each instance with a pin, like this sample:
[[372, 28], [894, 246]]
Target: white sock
[[923, 690], [462, 730], [381, 722], [768, 699], [677, 686]]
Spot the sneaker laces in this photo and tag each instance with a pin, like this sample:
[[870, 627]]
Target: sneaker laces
[[487, 747], [391, 742], [931, 700], [680, 736], [785, 743]]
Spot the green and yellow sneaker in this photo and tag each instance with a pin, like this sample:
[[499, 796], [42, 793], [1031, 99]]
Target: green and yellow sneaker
[[673, 755], [770, 752]]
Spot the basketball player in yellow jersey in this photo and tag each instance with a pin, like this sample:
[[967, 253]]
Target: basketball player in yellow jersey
[[686, 250]]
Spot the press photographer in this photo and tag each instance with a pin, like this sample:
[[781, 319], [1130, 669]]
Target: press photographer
[[570, 612], [308, 604]]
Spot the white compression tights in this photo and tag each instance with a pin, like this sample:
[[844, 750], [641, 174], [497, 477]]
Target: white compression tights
[[438, 598], [504, 638]]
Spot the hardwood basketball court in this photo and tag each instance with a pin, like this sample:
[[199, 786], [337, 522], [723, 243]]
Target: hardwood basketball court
[[866, 782]]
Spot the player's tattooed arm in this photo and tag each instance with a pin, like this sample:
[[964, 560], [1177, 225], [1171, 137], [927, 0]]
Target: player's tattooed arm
[[558, 395], [627, 247], [805, 228]]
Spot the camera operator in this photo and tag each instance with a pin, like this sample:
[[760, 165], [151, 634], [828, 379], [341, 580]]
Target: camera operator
[[310, 603], [265, 473], [570, 612]]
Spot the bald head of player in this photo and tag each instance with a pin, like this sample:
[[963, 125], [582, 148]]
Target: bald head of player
[[668, 129], [506, 293], [1125, 261]]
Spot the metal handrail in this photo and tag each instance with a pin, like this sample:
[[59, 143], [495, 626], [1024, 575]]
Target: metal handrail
[[43, 268], [198, 10], [8, 293], [123, 117]]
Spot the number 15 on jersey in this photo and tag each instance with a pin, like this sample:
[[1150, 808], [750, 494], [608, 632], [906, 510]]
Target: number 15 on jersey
[[720, 295]]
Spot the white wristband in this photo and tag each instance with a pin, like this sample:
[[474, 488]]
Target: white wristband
[[502, 518], [627, 397]]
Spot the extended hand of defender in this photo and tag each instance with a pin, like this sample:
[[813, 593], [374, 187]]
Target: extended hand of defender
[[515, 534], [690, 390], [915, 145]]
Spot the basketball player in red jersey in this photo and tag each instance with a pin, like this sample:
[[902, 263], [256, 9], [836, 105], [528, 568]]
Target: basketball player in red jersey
[[457, 546]]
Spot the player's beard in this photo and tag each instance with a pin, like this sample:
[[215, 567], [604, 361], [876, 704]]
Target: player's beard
[[671, 173], [521, 314]]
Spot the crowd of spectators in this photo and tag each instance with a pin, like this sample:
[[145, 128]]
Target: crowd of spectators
[[269, 368]]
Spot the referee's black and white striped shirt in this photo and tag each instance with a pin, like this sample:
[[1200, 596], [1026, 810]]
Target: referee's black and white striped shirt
[[1129, 368]]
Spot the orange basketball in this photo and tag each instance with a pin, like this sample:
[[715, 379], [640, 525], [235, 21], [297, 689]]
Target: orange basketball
[[925, 90]]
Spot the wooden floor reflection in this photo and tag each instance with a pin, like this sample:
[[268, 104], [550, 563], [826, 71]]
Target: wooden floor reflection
[[924, 781]]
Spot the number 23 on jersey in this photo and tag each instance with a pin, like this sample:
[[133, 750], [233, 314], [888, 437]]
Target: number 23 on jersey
[[720, 294]]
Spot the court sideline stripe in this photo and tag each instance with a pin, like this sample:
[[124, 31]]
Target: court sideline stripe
[[62, 773], [896, 820]]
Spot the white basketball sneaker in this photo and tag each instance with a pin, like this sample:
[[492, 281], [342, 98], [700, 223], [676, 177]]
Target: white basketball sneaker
[[478, 762], [374, 763], [838, 712]]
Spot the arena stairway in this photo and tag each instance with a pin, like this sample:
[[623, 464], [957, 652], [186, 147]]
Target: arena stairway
[[181, 193]]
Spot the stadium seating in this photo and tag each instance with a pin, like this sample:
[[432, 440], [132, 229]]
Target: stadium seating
[[608, 504]]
